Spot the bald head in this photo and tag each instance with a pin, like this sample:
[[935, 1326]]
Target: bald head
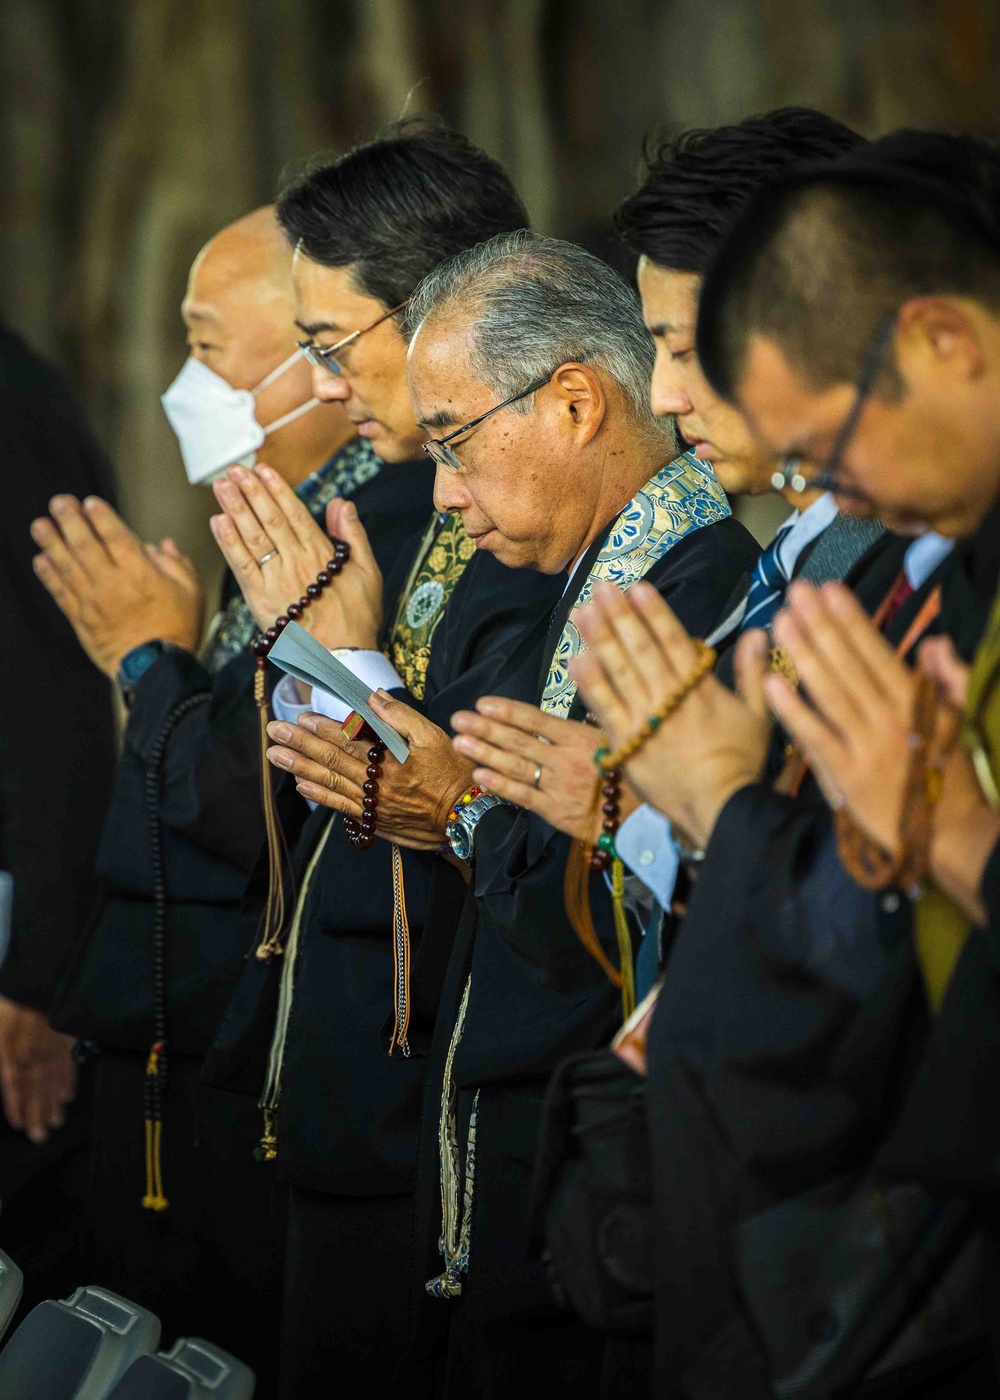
[[239, 312], [250, 258]]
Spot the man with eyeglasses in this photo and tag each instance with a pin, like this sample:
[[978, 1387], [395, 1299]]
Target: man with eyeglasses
[[780, 952], [529, 366], [158, 961], [339, 1109]]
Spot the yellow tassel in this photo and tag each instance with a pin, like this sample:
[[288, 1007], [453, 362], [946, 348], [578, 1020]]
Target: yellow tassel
[[267, 1150], [272, 926], [400, 957], [624, 939], [154, 1198]]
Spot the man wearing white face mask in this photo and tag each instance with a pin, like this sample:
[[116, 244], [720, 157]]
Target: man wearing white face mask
[[157, 966]]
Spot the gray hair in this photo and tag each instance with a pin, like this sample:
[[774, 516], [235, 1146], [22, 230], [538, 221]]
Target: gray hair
[[535, 304]]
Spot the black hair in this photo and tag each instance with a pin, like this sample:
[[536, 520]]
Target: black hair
[[696, 182], [395, 207], [820, 262]]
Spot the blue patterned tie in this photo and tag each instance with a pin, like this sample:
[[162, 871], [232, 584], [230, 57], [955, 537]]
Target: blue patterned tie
[[767, 587]]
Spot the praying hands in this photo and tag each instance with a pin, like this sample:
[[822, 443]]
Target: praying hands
[[714, 742], [537, 761], [414, 798], [275, 550], [115, 591], [856, 731]]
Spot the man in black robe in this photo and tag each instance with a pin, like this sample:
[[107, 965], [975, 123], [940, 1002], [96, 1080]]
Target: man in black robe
[[51, 801], [530, 366], [192, 738], [341, 1116], [791, 1015]]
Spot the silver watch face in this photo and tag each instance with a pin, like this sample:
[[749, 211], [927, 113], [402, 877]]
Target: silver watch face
[[461, 840]]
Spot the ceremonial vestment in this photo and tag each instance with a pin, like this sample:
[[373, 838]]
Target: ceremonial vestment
[[342, 1113], [188, 1261], [789, 1024], [521, 992]]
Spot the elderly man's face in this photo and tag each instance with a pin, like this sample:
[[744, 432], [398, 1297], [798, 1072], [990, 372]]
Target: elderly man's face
[[521, 488], [718, 432], [928, 459], [372, 380]]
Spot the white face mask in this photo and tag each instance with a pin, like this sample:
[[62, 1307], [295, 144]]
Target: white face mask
[[215, 424]]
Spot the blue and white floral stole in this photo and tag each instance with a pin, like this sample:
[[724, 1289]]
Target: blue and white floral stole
[[682, 497]]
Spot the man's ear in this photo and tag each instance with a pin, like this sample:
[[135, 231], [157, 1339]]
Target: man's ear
[[583, 397], [939, 335]]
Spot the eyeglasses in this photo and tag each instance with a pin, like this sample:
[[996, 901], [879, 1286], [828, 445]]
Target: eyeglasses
[[322, 356], [829, 478], [439, 451]]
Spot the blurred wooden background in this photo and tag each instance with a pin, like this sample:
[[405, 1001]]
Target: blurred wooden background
[[130, 130]]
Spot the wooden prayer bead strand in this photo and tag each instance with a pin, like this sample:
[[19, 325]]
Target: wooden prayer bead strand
[[264, 641], [611, 791], [361, 834], [273, 921]]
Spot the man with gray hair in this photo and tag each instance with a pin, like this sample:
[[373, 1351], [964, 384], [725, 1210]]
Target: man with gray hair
[[530, 364]]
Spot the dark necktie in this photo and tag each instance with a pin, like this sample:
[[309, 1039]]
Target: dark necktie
[[767, 587]]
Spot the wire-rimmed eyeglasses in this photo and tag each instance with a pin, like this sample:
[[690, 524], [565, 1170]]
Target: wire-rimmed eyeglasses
[[324, 356], [439, 451], [790, 473]]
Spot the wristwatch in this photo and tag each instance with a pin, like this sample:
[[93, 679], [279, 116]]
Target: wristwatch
[[135, 663], [460, 833]]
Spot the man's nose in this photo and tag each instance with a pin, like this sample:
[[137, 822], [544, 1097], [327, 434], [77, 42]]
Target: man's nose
[[330, 387], [668, 393], [449, 491]]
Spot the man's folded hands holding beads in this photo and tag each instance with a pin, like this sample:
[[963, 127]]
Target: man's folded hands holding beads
[[414, 798], [537, 761], [857, 729], [276, 549], [713, 743]]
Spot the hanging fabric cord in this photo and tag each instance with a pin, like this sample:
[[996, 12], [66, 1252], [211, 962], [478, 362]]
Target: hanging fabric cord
[[156, 1064]]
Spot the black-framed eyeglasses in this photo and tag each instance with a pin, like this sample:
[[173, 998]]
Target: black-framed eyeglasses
[[829, 478], [324, 356], [439, 451]]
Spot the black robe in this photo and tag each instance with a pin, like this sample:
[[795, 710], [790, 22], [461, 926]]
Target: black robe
[[211, 820], [57, 755], [189, 1262], [536, 996], [790, 1022], [57, 733]]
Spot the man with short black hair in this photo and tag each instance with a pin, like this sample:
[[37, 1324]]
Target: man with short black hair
[[778, 953], [340, 1114]]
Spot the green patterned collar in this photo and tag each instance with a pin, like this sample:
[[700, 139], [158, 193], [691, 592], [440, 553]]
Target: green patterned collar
[[683, 496]]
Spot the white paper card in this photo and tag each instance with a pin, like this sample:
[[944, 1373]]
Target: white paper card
[[299, 653]]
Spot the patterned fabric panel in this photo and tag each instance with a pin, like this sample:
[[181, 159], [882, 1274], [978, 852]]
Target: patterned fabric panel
[[682, 497], [355, 463], [444, 553]]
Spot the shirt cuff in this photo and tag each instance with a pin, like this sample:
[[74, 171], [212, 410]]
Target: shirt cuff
[[372, 670], [285, 700], [646, 845]]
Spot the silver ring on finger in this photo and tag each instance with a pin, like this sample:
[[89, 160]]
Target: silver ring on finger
[[271, 554], [537, 783]]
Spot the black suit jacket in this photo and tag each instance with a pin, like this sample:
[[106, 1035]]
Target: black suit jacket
[[57, 742]]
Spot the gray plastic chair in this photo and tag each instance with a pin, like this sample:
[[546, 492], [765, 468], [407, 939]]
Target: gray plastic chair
[[11, 1288], [76, 1349], [192, 1370]]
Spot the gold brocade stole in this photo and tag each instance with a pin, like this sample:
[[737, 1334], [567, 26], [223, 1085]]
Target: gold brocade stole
[[443, 554], [441, 559], [940, 926]]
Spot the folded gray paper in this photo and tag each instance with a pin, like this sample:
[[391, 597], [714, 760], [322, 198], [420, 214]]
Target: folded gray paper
[[299, 653]]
